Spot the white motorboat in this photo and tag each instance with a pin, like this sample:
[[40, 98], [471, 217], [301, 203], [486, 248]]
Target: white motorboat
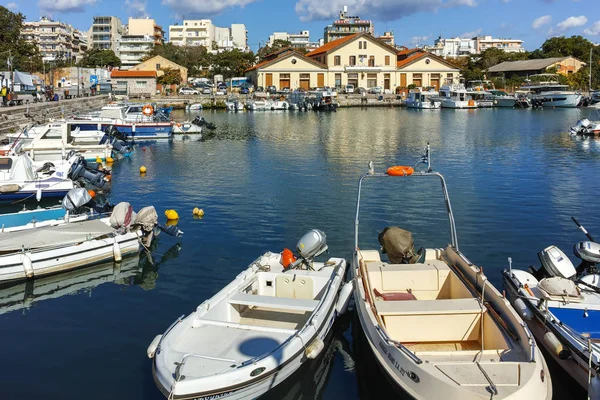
[[423, 99], [454, 95], [478, 92], [435, 324], [279, 105], [585, 127], [256, 331], [258, 105], [545, 91], [233, 104], [502, 99], [51, 249], [194, 107], [561, 305]]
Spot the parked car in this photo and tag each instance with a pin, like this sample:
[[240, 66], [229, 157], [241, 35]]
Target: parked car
[[376, 90], [221, 92], [206, 90], [349, 89], [360, 90], [260, 89], [244, 90], [271, 89], [187, 90]]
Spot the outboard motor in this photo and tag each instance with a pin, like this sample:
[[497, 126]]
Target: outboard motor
[[75, 199], [555, 263], [589, 254], [80, 170], [580, 127], [399, 246], [118, 141], [311, 245], [200, 121]]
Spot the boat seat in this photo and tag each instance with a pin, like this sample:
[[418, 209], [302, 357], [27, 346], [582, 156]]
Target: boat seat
[[279, 303], [429, 307]]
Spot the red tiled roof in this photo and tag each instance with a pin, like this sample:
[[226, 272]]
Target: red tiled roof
[[132, 74], [329, 46], [410, 59]]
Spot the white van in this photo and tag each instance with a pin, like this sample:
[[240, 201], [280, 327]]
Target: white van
[[349, 89]]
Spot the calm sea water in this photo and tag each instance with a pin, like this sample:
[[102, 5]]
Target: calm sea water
[[515, 178]]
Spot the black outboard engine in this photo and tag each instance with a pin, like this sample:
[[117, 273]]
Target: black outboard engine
[[79, 169], [118, 141], [200, 121]]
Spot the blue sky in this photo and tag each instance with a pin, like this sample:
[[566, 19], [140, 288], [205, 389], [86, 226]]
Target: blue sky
[[413, 21]]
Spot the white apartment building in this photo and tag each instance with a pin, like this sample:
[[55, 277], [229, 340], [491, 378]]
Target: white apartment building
[[141, 35], [202, 32], [298, 40], [55, 40], [105, 33], [457, 47]]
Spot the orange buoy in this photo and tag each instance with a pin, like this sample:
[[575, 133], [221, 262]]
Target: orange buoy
[[287, 257], [92, 193], [148, 110], [471, 103], [400, 170]]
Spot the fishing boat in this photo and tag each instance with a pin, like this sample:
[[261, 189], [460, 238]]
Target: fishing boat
[[561, 305], [115, 114], [435, 324], [478, 92], [426, 100], [256, 331], [258, 105], [51, 249], [502, 99], [545, 91], [454, 95]]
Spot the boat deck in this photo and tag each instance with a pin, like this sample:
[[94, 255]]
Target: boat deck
[[273, 318]]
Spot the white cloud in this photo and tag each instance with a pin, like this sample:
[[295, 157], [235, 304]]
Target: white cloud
[[541, 21], [571, 22], [12, 6], [65, 6], [415, 40], [207, 8], [136, 8], [593, 30], [383, 10], [471, 34]]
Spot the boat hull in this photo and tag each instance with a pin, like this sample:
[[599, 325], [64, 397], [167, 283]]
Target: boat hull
[[504, 102], [429, 105], [557, 99], [458, 104], [139, 131]]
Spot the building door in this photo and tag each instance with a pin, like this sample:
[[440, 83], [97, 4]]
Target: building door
[[268, 80], [284, 81], [386, 81], [320, 80], [435, 81], [403, 80], [305, 81], [353, 80]]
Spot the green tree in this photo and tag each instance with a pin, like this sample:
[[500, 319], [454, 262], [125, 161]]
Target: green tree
[[25, 55], [232, 63], [170, 76], [99, 58], [195, 58], [278, 44]]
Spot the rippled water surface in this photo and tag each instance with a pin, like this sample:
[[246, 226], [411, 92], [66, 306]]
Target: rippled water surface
[[515, 178]]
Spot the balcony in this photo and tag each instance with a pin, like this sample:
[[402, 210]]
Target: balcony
[[361, 67]]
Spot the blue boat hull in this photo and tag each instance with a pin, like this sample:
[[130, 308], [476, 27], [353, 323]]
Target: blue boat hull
[[145, 131], [26, 217], [46, 194]]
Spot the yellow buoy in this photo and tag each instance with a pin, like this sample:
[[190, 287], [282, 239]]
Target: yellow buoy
[[172, 222], [198, 212], [98, 160], [110, 160], [171, 214], [142, 170]]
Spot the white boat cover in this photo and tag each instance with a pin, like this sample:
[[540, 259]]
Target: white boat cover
[[53, 236], [558, 287], [22, 169]]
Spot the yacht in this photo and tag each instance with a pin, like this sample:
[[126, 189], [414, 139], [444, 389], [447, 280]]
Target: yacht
[[454, 95], [420, 99], [546, 91], [502, 99], [478, 92]]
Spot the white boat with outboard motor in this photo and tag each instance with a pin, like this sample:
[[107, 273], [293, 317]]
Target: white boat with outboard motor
[[546, 91], [423, 99], [454, 95], [258, 105], [256, 331], [51, 249], [561, 305], [435, 324], [585, 127]]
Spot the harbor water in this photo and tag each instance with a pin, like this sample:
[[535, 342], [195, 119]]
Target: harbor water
[[515, 178]]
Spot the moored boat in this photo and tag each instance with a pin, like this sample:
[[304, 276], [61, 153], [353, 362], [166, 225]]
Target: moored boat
[[502, 99], [585, 127], [454, 95], [546, 91], [256, 331], [422, 99], [435, 324]]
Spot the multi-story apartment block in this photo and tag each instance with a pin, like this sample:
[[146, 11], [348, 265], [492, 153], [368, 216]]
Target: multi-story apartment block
[[202, 32], [347, 26], [457, 47], [141, 35], [387, 38], [105, 33], [55, 40], [298, 40]]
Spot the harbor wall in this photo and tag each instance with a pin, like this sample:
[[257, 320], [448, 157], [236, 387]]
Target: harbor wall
[[13, 119]]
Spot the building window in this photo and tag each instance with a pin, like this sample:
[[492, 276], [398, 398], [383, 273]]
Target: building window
[[365, 44], [360, 44], [337, 60], [352, 61], [371, 80], [157, 67], [387, 60], [417, 80], [140, 84], [371, 61]]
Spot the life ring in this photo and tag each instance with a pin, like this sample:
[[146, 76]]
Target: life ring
[[148, 110], [3, 152], [400, 170]]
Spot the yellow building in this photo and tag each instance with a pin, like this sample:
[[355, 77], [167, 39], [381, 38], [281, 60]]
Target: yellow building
[[157, 63], [288, 68], [360, 60], [423, 69]]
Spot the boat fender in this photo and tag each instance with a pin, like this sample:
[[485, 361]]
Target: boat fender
[[117, 251], [151, 351], [313, 350], [27, 266], [11, 188], [342, 302], [523, 310], [38, 194], [556, 347]]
